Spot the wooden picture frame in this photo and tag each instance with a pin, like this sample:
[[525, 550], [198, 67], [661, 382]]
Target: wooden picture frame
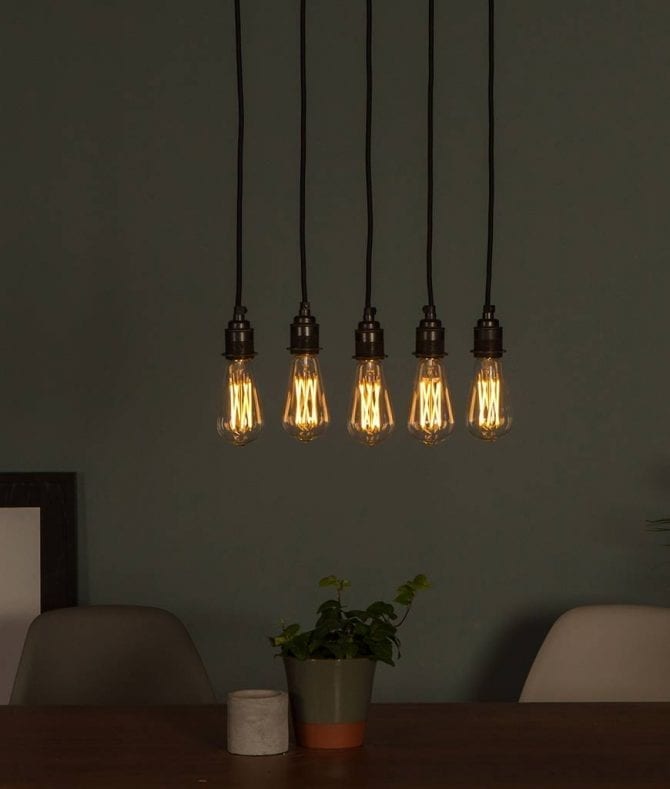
[[56, 496]]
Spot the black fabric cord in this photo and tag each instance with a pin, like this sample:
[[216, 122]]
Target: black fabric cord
[[303, 150], [429, 201], [489, 245], [368, 155], [240, 151]]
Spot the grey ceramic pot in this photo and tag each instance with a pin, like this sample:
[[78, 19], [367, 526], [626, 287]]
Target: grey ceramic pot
[[329, 700]]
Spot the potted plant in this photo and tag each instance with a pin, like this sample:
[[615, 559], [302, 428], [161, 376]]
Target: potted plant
[[330, 668]]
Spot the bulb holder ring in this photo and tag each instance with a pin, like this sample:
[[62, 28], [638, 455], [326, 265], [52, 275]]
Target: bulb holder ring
[[239, 337], [429, 336], [304, 337], [488, 335], [369, 337]]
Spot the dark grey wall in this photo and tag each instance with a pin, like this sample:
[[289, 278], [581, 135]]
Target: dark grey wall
[[118, 126]]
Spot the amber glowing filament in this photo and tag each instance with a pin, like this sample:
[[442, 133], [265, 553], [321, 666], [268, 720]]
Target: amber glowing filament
[[371, 417], [306, 394], [489, 408], [431, 417], [306, 409], [370, 413], [430, 403], [240, 420], [488, 396], [241, 405]]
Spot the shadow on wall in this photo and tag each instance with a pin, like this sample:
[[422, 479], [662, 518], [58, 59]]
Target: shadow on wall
[[503, 675]]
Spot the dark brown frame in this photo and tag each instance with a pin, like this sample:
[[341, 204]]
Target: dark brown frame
[[56, 496]]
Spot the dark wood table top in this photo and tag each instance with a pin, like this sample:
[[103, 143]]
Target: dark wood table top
[[408, 745]]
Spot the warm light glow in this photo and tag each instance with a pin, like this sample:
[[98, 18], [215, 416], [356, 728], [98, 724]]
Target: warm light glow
[[489, 412], [240, 420], [431, 417], [306, 410], [489, 402], [370, 413], [305, 391], [430, 390], [371, 418]]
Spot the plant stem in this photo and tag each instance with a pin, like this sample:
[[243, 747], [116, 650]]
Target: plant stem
[[405, 615]]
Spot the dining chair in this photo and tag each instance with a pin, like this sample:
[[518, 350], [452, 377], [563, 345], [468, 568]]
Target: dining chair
[[604, 653], [110, 655]]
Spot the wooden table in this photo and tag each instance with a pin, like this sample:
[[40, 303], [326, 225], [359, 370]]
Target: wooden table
[[409, 745]]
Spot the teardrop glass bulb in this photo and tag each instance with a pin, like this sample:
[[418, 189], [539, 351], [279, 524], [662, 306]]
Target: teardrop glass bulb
[[240, 419], [431, 417], [489, 407], [370, 415], [306, 409]]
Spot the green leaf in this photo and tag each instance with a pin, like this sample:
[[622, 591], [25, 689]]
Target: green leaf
[[329, 606], [380, 608], [404, 598], [383, 651], [299, 647], [333, 580], [286, 635]]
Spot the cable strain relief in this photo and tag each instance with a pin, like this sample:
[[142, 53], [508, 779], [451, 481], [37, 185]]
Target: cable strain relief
[[304, 332], [429, 335], [488, 335], [369, 337], [239, 336]]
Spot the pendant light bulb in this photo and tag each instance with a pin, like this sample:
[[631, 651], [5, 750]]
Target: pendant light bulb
[[371, 413], [431, 416], [240, 419], [489, 407], [306, 408], [489, 414]]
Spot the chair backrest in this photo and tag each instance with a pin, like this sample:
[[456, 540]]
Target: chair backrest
[[604, 653], [109, 655]]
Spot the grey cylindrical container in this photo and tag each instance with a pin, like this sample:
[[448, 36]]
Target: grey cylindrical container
[[329, 700], [257, 722]]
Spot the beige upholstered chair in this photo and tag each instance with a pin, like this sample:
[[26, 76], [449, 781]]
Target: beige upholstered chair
[[604, 653], [110, 654]]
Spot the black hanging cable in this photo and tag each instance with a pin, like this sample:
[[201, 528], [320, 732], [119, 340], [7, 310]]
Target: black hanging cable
[[240, 151], [430, 332], [489, 245], [369, 335], [429, 200], [239, 342], [303, 150], [488, 331], [368, 155], [304, 331]]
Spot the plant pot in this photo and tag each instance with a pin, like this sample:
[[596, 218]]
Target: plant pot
[[329, 700]]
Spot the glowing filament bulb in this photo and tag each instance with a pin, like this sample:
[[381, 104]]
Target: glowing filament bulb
[[240, 419], [431, 417], [371, 415], [489, 408], [306, 409]]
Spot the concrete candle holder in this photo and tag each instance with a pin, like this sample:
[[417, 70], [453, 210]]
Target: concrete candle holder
[[257, 722]]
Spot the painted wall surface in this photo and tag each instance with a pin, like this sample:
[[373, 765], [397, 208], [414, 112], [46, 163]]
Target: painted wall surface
[[118, 182]]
